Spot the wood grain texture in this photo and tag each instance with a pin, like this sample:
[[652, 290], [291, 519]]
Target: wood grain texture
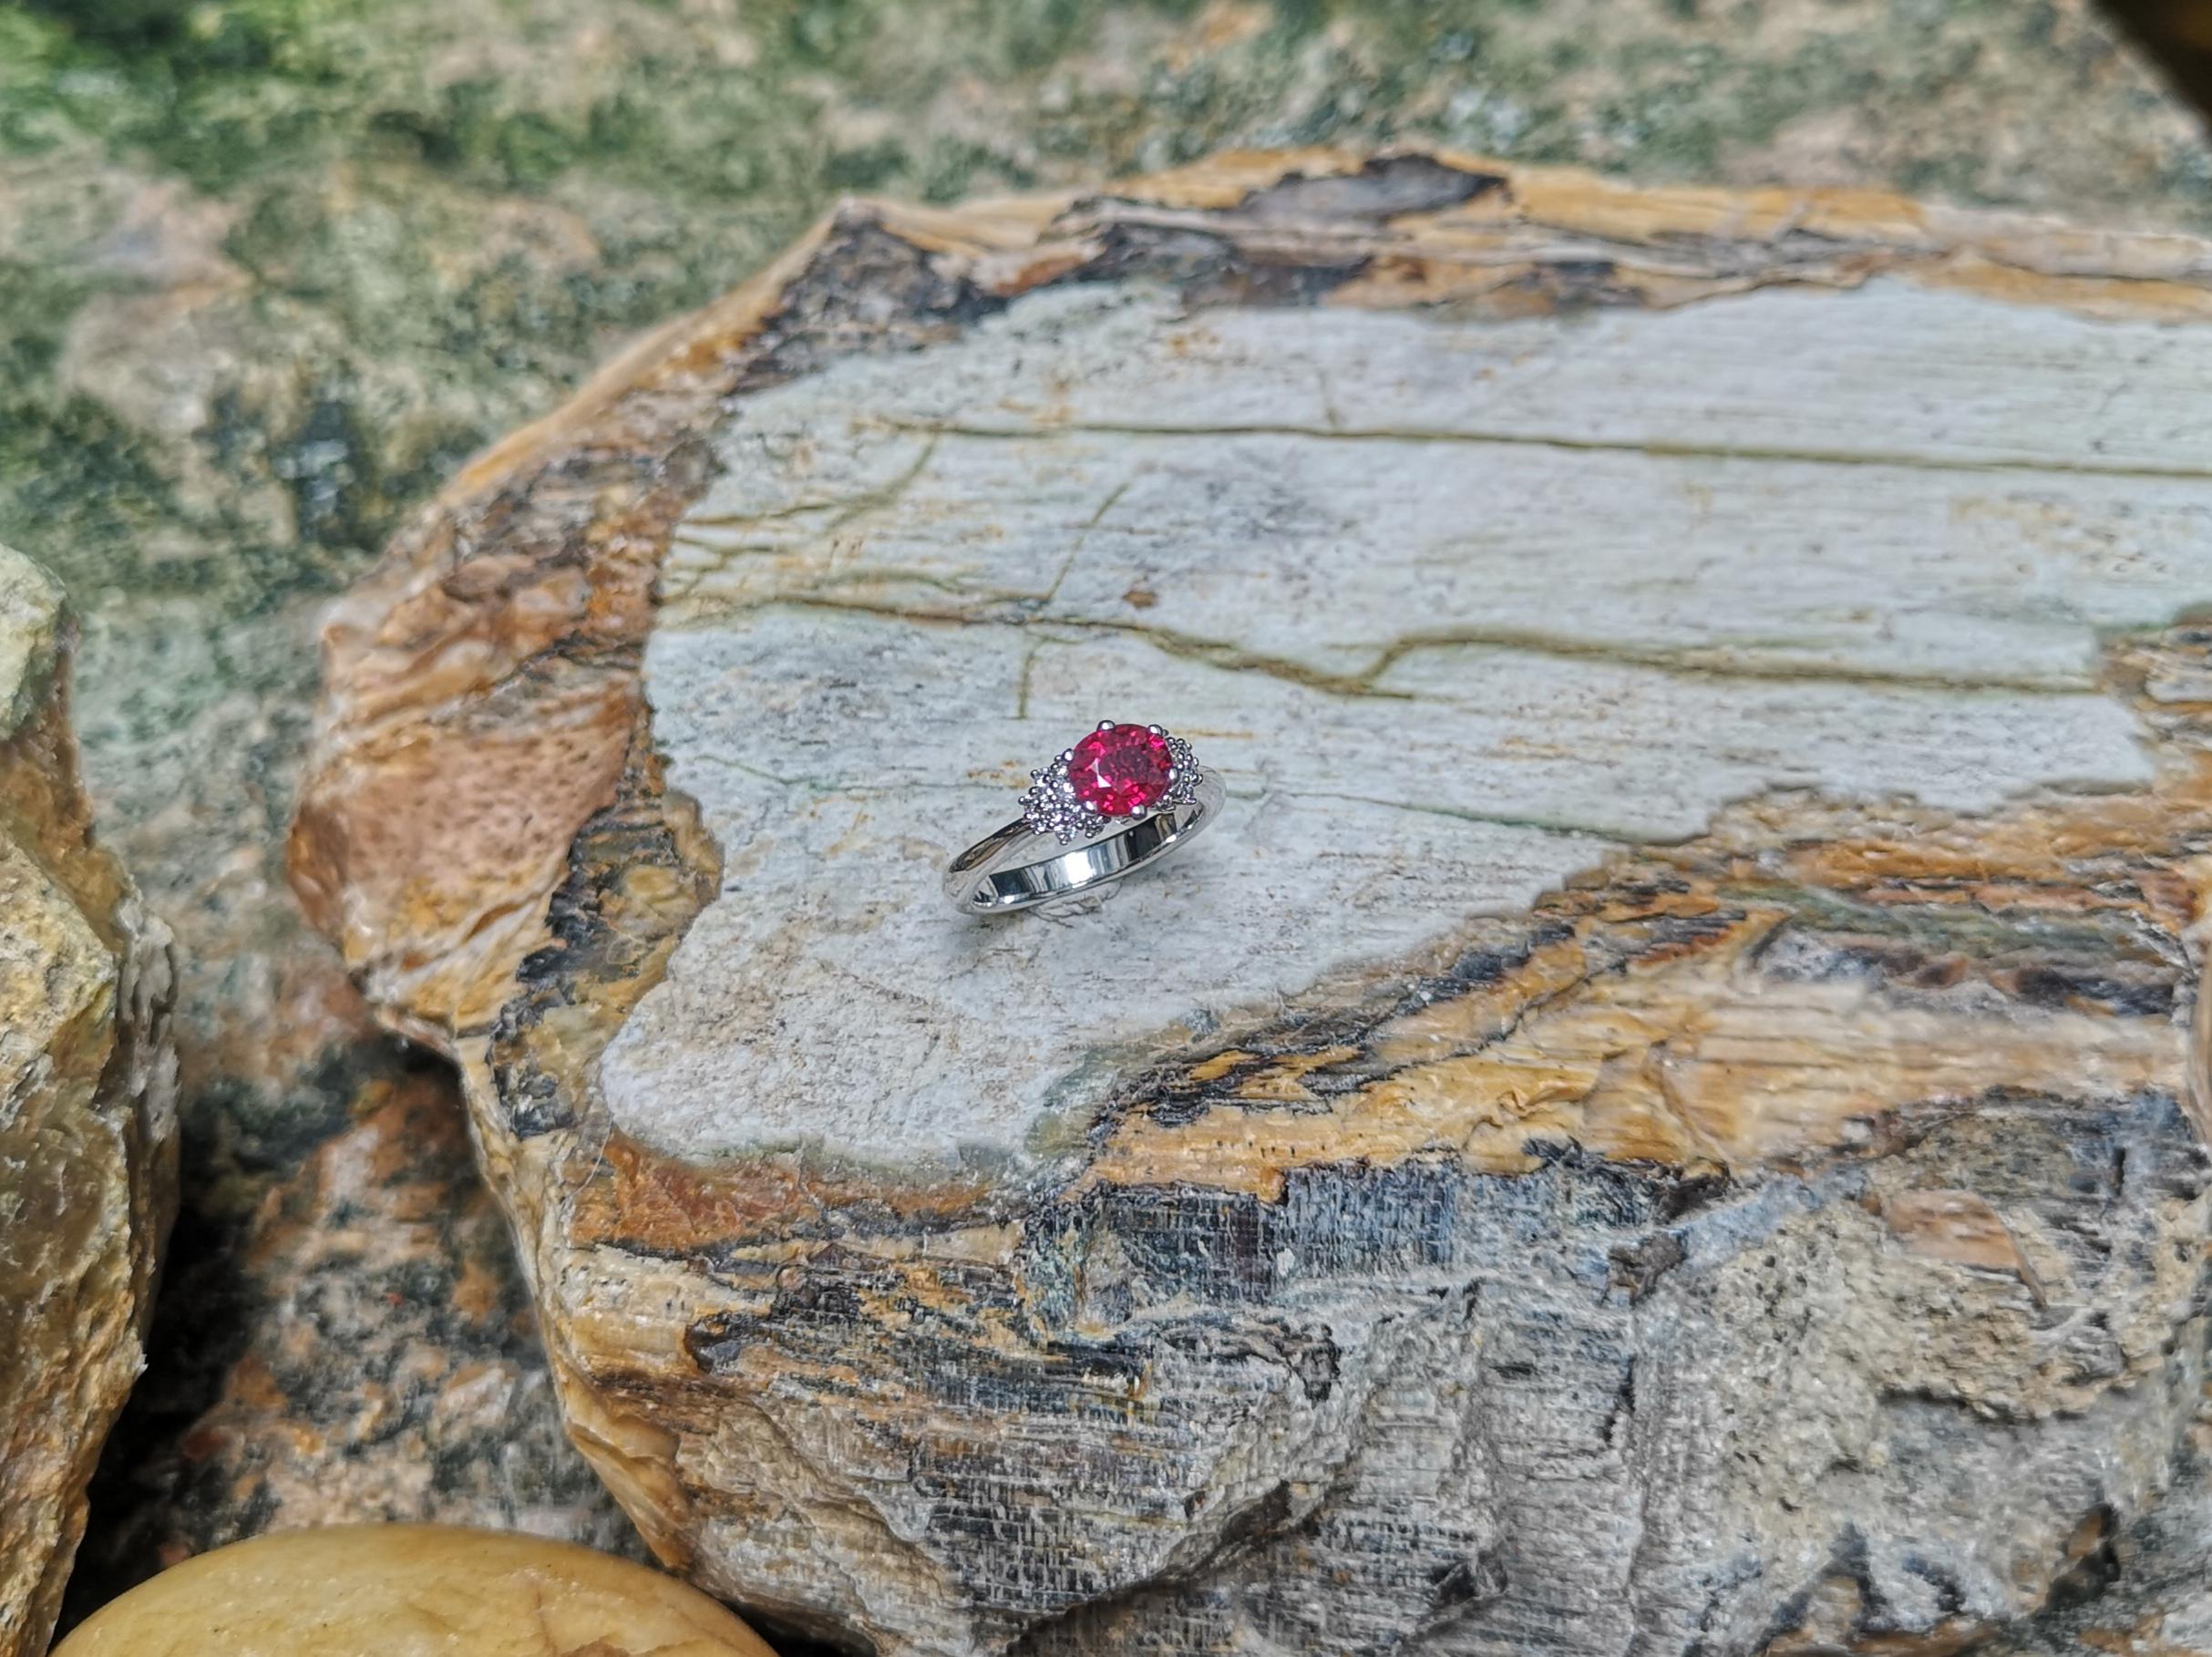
[[88, 1118], [1665, 1120], [1647, 574]]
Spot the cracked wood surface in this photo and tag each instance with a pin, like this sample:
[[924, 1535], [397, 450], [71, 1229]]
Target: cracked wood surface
[[1662, 1120], [907, 584]]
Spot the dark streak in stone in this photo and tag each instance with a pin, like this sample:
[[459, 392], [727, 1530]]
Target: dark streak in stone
[[1383, 187], [1639, 1266], [1209, 270]]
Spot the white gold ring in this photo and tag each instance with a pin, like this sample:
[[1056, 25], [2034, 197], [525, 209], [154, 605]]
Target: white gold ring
[[1125, 796]]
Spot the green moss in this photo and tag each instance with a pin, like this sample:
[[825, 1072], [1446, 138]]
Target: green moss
[[443, 212], [78, 488]]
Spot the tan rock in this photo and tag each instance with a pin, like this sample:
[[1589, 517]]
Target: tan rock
[[1665, 1117], [410, 1590], [87, 1119], [381, 1359]]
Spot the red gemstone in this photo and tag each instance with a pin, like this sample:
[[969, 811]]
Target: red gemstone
[[1120, 769]]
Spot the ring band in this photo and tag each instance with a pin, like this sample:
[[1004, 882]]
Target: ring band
[[1130, 794]]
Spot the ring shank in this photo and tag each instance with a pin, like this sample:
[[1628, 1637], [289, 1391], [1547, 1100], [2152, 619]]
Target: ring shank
[[1017, 868]]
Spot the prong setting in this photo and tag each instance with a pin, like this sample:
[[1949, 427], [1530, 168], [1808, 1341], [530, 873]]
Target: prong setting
[[1054, 805]]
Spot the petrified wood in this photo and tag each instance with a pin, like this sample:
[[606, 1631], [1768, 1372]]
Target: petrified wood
[[88, 1118], [1664, 1119]]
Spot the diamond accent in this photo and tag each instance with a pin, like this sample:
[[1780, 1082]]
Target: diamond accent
[[1053, 804]]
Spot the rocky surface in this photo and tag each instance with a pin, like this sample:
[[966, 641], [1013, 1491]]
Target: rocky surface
[[1664, 1119], [273, 267], [412, 1591], [2143, 1591], [88, 1118], [360, 1345]]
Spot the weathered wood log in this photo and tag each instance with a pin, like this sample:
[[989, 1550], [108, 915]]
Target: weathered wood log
[[1663, 1120], [87, 1119]]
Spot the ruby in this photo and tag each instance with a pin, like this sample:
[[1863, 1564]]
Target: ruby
[[1120, 769]]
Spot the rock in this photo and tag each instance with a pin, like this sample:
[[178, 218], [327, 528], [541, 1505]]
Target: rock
[[2145, 1592], [408, 1590], [1664, 1118], [88, 1118], [359, 1346], [336, 251]]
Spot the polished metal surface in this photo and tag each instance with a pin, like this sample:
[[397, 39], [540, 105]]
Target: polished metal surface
[[1019, 868]]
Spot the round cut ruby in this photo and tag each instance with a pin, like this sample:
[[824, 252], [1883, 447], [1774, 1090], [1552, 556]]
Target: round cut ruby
[[1118, 770]]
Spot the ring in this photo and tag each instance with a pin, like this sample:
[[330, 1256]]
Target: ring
[[1130, 793]]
